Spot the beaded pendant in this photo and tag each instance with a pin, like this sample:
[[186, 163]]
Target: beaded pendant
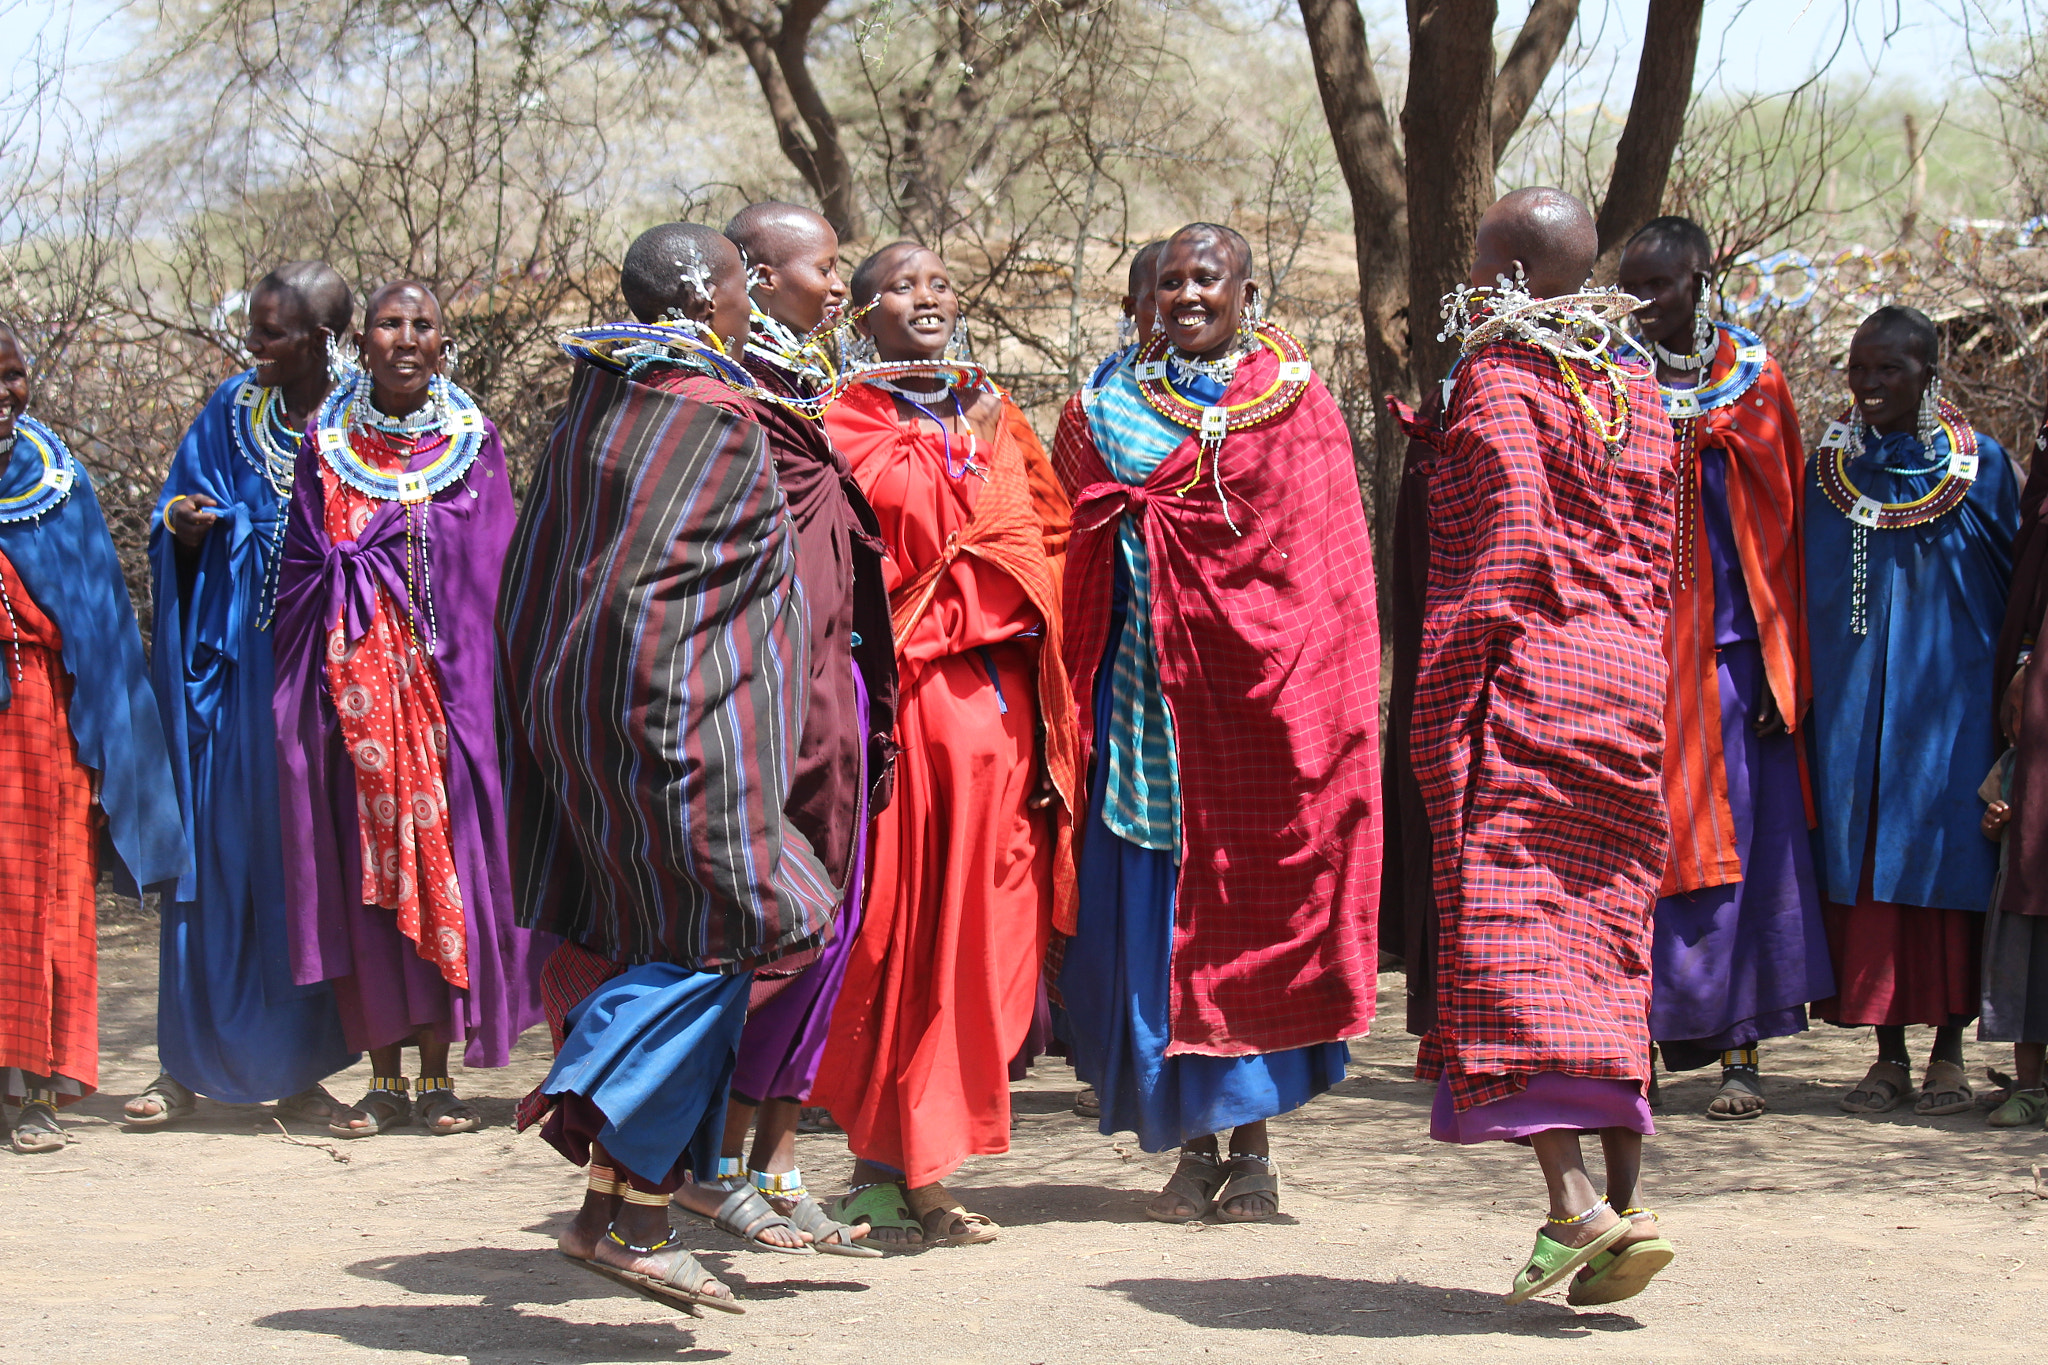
[[268, 445], [1867, 514]]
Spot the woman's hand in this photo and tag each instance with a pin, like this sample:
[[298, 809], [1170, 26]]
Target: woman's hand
[[1769, 720], [1997, 816], [189, 520]]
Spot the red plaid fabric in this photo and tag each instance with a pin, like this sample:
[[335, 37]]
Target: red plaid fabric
[[1539, 725], [49, 953], [1268, 644]]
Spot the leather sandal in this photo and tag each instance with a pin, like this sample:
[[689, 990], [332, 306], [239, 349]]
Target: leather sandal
[[746, 1215], [1196, 1178], [173, 1100], [1238, 1184]]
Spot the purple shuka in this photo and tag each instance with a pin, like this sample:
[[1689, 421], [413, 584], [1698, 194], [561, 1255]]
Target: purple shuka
[[385, 990]]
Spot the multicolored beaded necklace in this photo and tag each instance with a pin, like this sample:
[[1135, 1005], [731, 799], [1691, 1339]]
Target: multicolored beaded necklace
[[1213, 422], [1844, 438], [954, 375]]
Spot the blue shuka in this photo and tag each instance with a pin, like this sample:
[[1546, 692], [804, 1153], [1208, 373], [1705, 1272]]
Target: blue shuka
[[1903, 711], [67, 561], [231, 1024]]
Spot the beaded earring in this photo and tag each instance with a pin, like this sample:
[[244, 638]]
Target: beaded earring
[[856, 349], [1930, 410], [451, 357], [1126, 331], [340, 369], [1703, 326], [958, 347]]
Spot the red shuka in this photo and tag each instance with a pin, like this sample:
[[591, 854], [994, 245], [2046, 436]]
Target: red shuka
[[965, 876], [1766, 467], [49, 948], [1539, 724], [1268, 644]]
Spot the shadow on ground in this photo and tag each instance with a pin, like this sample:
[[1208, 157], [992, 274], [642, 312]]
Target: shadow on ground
[[1322, 1306]]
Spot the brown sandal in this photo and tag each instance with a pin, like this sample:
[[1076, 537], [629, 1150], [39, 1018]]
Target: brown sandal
[[935, 1209], [1944, 1090], [1196, 1178], [1239, 1184], [1882, 1087]]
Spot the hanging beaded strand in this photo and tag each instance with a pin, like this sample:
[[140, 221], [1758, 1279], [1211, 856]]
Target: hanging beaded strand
[[13, 628], [270, 447]]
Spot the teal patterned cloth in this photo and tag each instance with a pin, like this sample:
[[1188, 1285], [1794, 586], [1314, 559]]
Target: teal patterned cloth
[[1142, 801]]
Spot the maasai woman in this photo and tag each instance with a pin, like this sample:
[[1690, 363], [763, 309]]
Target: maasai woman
[[845, 751], [231, 1022], [2015, 997], [81, 759], [1222, 619], [1910, 516], [653, 655], [1538, 729], [1740, 947], [973, 855], [393, 814]]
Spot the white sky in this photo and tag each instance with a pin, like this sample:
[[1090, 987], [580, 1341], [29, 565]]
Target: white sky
[[1748, 45]]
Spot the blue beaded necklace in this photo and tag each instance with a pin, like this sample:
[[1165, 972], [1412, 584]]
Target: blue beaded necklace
[[454, 413]]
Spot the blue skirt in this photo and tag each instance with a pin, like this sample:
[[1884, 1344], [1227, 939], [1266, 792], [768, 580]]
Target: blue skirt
[[1118, 990], [653, 1050]]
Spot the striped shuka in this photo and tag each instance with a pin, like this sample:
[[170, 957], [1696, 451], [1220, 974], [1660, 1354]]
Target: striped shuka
[[652, 661], [1539, 725], [1766, 463]]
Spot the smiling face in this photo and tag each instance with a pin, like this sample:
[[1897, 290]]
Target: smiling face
[[1201, 291], [13, 383], [1887, 375], [799, 274], [1666, 278], [402, 346], [288, 347], [915, 310]]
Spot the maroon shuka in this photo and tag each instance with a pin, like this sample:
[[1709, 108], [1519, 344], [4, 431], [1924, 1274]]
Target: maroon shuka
[[1268, 644], [1539, 724], [839, 562], [1407, 909], [2026, 616]]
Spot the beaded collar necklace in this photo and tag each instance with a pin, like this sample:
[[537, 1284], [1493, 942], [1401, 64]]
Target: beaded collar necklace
[[53, 486], [1698, 360], [802, 358], [349, 409], [1844, 438], [265, 441], [1686, 405], [1213, 422], [1572, 329], [951, 374], [41, 498]]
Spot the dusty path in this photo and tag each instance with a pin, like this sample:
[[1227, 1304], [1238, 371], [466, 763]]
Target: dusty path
[[1807, 1235]]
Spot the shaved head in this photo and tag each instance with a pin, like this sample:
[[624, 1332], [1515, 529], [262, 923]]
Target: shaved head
[[671, 268], [1545, 231], [385, 291], [1230, 238], [771, 233], [1144, 264], [319, 287]]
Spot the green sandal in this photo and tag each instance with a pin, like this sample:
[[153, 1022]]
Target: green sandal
[[2022, 1109], [880, 1207], [1552, 1261], [1623, 1272]]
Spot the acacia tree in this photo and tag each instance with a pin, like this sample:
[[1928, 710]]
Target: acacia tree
[[1416, 205]]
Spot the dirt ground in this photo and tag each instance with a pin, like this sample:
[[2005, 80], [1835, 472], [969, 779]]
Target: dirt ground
[[1807, 1235]]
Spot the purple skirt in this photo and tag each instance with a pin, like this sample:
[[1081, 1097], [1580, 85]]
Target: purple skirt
[[785, 1037], [1552, 1099], [1733, 965]]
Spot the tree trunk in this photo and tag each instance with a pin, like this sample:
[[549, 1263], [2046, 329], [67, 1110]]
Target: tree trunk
[[1447, 130], [777, 52], [1364, 140], [1656, 120], [1528, 62]]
